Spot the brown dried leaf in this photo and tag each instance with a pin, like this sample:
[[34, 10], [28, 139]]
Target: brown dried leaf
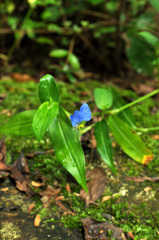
[[22, 77], [21, 164], [48, 194], [130, 235], [142, 179], [106, 198], [3, 167], [147, 189], [6, 111], [96, 185], [68, 189], [66, 210], [4, 189], [36, 184], [19, 171], [37, 221], [100, 230], [46, 200], [50, 191], [59, 198], [142, 88], [155, 137], [2, 150], [30, 208]]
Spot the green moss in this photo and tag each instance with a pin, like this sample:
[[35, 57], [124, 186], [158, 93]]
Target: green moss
[[9, 231]]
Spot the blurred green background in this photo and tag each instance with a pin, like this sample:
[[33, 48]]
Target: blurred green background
[[75, 39]]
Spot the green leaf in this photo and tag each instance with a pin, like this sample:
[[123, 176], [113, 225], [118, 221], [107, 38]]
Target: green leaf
[[149, 37], [140, 54], [73, 60], [67, 150], [58, 53], [131, 143], [155, 4], [47, 89], [104, 144], [95, 2], [103, 98], [44, 40], [43, 117], [126, 115], [20, 124]]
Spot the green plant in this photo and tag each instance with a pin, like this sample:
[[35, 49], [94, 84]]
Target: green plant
[[52, 117], [84, 32]]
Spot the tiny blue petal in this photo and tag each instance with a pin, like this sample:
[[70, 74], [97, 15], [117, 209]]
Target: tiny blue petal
[[76, 118], [85, 110], [84, 114]]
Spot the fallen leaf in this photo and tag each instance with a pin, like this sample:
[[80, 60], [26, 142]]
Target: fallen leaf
[[155, 137], [30, 208], [37, 221], [147, 189], [68, 189], [142, 179], [142, 88], [46, 200], [48, 194], [59, 198], [21, 77], [101, 230], [6, 111], [4, 189], [19, 171], [36, 184], [66, 210], [2, 150], [96, 185], [130, 235], [106, 198]]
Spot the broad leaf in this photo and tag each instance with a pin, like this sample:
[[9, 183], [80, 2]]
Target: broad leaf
[[126, 114], [131, 143], [104, 144], [67, 150], [140, 54], [155, 4], [149, 37], [43, 117], [58, 53], [47, 89], [74, 61], [20, 124], [103, 98]]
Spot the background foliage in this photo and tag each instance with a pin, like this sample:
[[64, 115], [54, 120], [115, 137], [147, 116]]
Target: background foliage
[[65, 37]]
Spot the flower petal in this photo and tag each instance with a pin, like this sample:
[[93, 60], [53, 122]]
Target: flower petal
[[86, 112], [77, 117]]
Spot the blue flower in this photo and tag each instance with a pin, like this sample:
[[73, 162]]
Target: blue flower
[[84, 114]]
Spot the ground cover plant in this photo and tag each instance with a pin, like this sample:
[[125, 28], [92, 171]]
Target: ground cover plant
[[65, 139], [79, 146], [137, 208]]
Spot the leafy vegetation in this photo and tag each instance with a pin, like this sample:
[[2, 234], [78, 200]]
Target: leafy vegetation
[[75, 36]]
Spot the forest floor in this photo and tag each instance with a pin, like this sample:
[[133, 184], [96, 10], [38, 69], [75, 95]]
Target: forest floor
[[51, 207]]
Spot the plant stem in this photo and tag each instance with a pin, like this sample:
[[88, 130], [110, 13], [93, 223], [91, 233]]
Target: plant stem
[[133, 103], [146, 129], [87, 129]]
